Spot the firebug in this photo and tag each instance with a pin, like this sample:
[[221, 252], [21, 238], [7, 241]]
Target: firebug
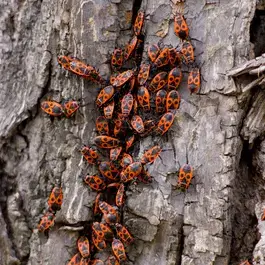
[[172, 100], [56, 199]]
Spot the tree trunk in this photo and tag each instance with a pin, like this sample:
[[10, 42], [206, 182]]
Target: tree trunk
[[220, 131]]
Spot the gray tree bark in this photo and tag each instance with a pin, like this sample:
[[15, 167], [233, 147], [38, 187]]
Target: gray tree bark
[[217, 220]]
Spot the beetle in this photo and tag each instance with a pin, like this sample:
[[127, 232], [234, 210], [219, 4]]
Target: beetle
[[139, 22], [187, 52], [99, 242], [46, 222], [115, 153], [158, 82], [90, 155], [165, 123], [160, 100], [130, 48], [131, 172], [181, 27], [119, 200], [174, 57], [55, 199], [95, 182], [129, 140], [151, 154], [126, 105], [52, 108], [194, 80], [102, 125], [102, 231], [108, 170], [153, 52], [83, 246], [109, 109], [162, 59], [105, 95], [118, 250], [123, 77], [117, 59], [172, 100], [143, 97], [124, 234], [137, 123], [106, 142], [185, 177], [143, 74], [70, 107], [98, 199], [174, 78]]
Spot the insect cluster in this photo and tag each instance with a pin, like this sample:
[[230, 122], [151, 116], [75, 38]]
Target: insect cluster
[[139, 100]]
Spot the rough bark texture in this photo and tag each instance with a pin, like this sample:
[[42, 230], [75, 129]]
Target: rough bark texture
[[217, 221]]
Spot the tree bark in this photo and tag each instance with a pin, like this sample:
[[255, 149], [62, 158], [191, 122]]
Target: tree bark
[[220, 131]]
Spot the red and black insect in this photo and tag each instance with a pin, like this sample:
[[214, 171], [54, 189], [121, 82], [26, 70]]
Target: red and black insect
[[83, 246], [153, 52], [165, 123], [126, 160], [55, 199], [194, 80], [131, 172], [113, 78], [162, 59], [112, 261], [46, 222], [143, 74], [181, 27], [115, 153], [161, 100], [108, 170], [138, 54], [174, 78], [143, 97], [99, 242], [187, 52], [172, 100], [174, 57], [185, 177], [52, 108], [70, 107], [151, 155], [106, 142], [78, 67], [105, 95], [108, 110], [124, 234], [75, 66], [117, 59], [102, 231], [137, 124], [102, 125], [122, 78], [138, 24], [158, 82], [90, 155], [75, 260], [130, 48], [110, 215], [126, 105], [95, 182], [118, 250]]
